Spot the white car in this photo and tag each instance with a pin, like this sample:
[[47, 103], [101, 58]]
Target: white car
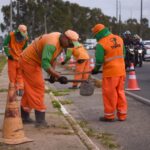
[[90, 44], [147, 49]]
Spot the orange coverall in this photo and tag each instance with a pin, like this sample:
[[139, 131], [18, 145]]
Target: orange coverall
[[30, 62], [80, 53], [14, 72], [111, 47]]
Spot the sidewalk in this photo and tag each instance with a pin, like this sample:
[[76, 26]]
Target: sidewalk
[[59, 136]]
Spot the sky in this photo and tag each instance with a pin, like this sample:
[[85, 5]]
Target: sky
[[130, 8]]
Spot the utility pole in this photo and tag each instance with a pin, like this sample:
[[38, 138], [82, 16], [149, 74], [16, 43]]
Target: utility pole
[[45, 23], [117, 10], [18, 12], [10, 15], [120, 16], [141, 27]]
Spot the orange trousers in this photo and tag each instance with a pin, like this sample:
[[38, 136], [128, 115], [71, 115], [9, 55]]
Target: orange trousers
[[83, 67], [33, 97], [114, 98], [14, 74]]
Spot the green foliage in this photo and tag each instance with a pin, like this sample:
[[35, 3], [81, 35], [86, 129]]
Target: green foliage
[[42, 16], [56, 104], [2, 62]]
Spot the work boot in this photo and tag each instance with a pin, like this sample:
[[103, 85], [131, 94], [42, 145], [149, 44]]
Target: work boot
[[26, 117], [40, 120], [19, 92], [106, 119]]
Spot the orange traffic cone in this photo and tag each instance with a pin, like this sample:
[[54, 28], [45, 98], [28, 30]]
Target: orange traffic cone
[[71, 62], [92, 65], [61, 58], [132, 66], [12, 126], [132, 82]]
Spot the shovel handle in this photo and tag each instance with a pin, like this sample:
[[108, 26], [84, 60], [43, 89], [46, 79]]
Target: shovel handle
[[70, 80], [75, 73]]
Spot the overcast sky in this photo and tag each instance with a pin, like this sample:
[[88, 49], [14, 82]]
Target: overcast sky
[[130, 8]]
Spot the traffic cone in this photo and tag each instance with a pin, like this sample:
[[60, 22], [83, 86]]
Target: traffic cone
[[92, 65], [12, 132], [132, 66], [132, 82], [61, 58], [71, 62]]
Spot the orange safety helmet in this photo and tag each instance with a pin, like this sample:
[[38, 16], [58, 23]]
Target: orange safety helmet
[[97, 28], [72, 35]]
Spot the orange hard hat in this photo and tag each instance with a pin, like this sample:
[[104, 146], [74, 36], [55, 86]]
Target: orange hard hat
[[72, 35], [97, 28]]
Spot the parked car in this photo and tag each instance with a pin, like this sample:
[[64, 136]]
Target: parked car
[[147, 49]]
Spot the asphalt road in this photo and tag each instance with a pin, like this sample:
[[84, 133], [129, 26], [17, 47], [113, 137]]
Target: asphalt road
[[143, 78], [134, 133]]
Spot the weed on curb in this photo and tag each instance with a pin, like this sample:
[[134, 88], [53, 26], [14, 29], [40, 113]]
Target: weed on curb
[[56, 104], [105, 138]]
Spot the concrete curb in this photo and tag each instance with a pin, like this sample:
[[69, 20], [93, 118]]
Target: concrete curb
[[78, 130], [138, 98]]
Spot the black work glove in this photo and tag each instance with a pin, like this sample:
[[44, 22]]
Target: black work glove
[[63, 80], [63, 63], [80, 61], [10, 57], [52, 79], [94, 71]]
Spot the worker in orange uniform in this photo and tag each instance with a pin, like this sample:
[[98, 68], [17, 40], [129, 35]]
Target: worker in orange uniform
[[41, 54], [82, 62], [14, 44], [110, 52]]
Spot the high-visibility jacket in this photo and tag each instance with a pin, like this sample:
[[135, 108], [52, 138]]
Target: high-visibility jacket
[[15, 48], [114, 64], [34, 52], [110, 52]]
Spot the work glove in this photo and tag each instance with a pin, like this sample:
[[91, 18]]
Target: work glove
[[10, 57], [52, 79], [63, 63], [63, 80], [94, 71], [80, 61]]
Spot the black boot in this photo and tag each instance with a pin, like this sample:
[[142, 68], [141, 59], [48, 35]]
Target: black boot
[[40, 120], [26, 117]]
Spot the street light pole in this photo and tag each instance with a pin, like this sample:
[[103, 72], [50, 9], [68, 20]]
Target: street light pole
[[120, 15], [45, 23], [117, 10], [10, 15], [141, 27]]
